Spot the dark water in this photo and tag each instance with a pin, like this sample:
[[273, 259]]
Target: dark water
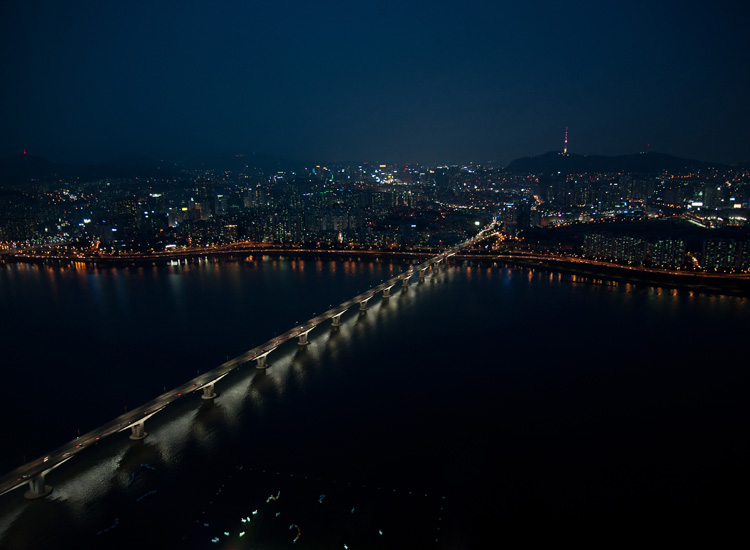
[[483, 407]]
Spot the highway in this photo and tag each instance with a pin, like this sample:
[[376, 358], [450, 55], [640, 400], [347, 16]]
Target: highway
[[564, 258], [33, 472]]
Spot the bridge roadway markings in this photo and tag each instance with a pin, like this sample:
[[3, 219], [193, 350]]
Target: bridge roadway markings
[[33, 473]]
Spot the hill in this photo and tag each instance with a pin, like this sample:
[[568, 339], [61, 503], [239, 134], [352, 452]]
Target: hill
[[553, 162], [19, 169]]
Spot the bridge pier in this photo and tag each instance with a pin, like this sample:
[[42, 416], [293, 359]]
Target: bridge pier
[[208, 391], [421, 274], [363, 305], [387, 292], [261, 364], [37, 488], [137, 431], [303, 339], [337, 320], [406, 282]]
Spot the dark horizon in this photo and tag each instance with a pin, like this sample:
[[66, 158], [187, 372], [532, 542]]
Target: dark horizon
[[428, 83], [136, 162]]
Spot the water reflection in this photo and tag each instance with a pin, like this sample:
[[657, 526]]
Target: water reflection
[[252, 404], [361, 316], [264, 390], [212, 417], [175, 282], [143, 451], [52, 275]]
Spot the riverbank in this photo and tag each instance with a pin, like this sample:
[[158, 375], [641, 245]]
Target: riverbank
[[737, 285], [718, 283], [193, 255]]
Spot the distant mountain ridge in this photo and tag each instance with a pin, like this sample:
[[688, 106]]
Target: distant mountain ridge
[[19, 169], [26, 168], [262, 162], [554, 162]]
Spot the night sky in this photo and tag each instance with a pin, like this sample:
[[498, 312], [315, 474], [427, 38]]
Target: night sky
[[430, 82]]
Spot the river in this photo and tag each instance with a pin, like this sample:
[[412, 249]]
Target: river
[[485, 404]]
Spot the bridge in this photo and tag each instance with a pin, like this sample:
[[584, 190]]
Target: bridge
[[32, 474]]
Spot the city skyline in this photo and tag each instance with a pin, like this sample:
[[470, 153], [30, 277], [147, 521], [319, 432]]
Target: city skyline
[[426, 83], [429, 274]]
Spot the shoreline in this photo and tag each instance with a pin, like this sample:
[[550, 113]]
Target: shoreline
[[737, 285], [696, 282], [166, 258]]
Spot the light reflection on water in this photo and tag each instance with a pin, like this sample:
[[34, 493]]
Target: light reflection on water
[[406, 376]]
